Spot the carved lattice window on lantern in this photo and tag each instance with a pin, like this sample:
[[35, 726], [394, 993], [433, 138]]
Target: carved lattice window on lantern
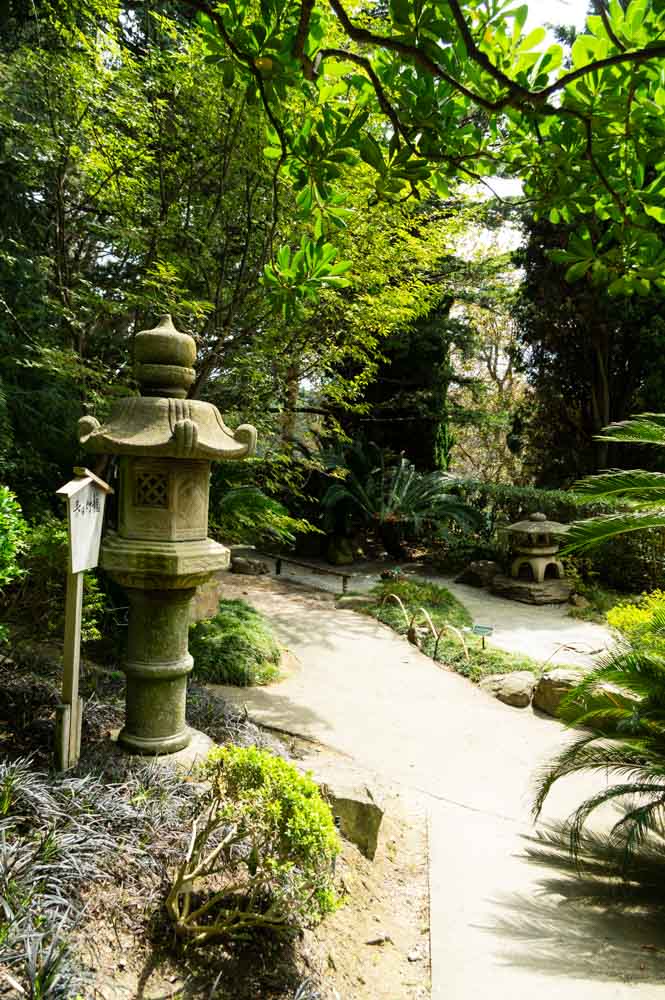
[[151, 489]]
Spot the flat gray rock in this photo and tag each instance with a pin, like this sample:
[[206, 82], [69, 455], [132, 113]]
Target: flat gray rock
[[250, 567], [479, 573], [549, 592]]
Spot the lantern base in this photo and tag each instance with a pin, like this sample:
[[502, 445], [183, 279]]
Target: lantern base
[[156, 746]]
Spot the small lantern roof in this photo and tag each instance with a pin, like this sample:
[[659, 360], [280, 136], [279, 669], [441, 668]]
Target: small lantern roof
[[538, 524], [161, 422]]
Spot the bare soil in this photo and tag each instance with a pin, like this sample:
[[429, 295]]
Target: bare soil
[[376, 945]]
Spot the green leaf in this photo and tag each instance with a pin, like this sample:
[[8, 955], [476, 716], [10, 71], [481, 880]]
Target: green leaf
[[656, 212], [229, 75], [533, 39], [577, 270], [370, 152], [584, 535], [645, 487], [400, 11]]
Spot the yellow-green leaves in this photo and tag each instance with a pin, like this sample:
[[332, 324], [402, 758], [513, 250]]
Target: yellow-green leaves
[[298, 275]]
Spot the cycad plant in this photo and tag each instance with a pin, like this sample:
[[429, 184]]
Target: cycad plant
[[620, 705], [620, 708], [644, 491], [392, 499]]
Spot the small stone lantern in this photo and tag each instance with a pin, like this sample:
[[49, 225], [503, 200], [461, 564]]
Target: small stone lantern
[[160, 552], [536, 574], [537, 547]]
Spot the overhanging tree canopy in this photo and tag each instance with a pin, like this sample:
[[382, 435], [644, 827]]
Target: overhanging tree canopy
[[465, 94]]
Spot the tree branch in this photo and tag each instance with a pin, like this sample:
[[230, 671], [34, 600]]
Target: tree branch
[[517, 96], [411, 52], [602, 10], [306, 8], [384, 103], [248, 61]]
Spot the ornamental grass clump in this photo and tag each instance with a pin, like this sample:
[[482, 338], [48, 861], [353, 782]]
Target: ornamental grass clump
[[237, 646], [261, 853]]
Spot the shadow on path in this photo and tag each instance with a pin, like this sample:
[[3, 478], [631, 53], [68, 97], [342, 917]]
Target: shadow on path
[[584, 922]]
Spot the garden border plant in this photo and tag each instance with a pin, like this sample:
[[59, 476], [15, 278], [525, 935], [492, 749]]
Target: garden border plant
[[236, 646], [261, 853], [442, 613]]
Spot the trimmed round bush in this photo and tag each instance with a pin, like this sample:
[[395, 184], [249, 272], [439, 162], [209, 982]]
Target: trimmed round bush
[[237, 646]]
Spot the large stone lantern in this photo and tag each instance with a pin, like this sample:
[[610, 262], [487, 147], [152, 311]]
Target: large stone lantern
[[160, 552]]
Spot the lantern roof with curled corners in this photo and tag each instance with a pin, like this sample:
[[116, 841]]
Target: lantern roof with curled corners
[[162, 422], [538, 524]]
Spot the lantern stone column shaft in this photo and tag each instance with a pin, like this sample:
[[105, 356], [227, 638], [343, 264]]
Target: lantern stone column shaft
[[157, 666], [160, 552]]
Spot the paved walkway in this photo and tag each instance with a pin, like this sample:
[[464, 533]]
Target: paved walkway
[[500, 927], [546, 633]]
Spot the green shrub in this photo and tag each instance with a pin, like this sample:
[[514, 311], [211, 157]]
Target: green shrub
[[36, 601], [454, 552], [635, 621], [237, 646], [13, 530], [262, 851], [245, 501]]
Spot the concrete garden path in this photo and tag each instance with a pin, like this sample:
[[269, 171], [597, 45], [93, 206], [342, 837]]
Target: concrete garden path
[[546, 633], [500, 926]]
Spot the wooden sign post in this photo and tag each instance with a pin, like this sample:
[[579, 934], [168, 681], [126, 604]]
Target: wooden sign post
[[86, 496]]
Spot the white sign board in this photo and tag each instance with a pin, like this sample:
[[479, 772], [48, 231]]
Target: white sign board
[[86, 497]]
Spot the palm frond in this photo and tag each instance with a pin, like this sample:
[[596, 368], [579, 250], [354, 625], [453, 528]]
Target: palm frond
[[630, 829], [644, 428], [634, 760], [633, 829], [583, 535], [632, 484]]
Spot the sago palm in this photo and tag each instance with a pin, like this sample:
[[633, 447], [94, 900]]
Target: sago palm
[[620, 705], [398, 497], [645, 491]]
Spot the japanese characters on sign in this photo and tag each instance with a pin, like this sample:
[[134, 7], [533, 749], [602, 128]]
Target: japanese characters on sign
[[85, 512]]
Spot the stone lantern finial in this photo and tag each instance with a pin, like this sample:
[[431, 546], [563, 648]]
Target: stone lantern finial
[[164, 360]]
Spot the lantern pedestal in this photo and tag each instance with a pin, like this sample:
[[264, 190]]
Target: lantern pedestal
[[160, 579]]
